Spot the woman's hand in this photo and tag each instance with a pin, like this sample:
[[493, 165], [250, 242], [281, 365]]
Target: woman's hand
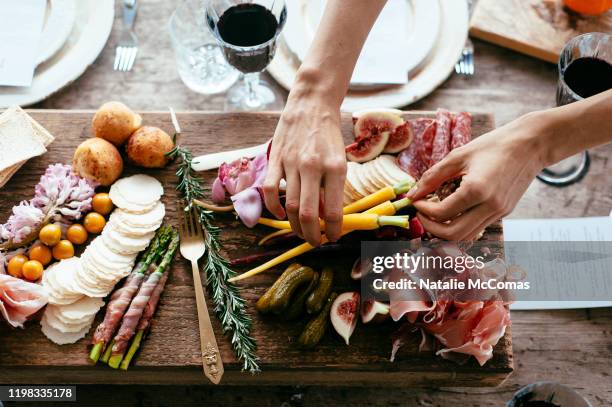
[[308, 152], [497, 169]]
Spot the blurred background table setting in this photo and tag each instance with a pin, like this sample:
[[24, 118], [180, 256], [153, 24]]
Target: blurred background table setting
[[497, 56]]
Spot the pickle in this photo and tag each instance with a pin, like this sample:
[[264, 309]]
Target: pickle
[[316, 299], [263, 304], [296, 306], [316, 327], [281, 296]]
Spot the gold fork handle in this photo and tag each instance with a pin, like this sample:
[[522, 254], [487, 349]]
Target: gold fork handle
[[211, 358]]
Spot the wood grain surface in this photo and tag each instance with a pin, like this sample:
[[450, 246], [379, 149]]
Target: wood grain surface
[[572, 347], [172, 352], [539, 28]]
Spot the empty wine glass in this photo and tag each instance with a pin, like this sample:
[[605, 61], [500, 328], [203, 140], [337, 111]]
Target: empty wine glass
[[247, 33]]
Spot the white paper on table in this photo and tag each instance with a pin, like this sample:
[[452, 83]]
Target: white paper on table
[[592, 229], [389, 36], [21, 23]]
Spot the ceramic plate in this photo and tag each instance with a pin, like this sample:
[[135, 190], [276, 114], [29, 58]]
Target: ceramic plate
[[93, 24], [423, 80], [59, 20], [407, 42]]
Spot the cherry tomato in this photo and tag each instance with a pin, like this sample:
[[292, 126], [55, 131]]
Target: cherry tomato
[[41, 253], [63, 250], [15, 265], [77, 234], [102, 203], [32, 270], [94, 222], [50, 234]]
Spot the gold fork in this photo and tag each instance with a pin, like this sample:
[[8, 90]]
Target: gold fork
[[192, 248]]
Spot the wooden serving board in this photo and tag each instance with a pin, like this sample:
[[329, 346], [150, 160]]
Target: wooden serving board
[[171, 353], [539, 28]]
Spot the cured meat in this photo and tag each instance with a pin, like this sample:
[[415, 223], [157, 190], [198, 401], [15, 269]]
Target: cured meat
[[147, 315], [117, 305], [134, 313], [19, 299], [414, 160], [442, 140], [461, 132]]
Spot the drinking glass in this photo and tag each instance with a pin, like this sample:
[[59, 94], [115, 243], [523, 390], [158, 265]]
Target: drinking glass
[[199, 58], [594, 45], [251, 94]]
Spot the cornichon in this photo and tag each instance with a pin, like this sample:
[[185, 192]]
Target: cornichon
[[296, 306], [316, 299], [263, 304], [284, 291], [316, 327]]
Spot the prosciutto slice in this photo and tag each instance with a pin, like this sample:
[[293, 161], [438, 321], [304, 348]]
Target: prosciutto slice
[[134, 313], [19, 299], [116, 307], [147, 315]]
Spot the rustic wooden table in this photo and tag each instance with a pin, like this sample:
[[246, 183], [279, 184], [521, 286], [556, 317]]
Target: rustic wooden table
[[573, 347]]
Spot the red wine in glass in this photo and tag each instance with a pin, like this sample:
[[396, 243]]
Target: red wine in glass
[[252, 28]]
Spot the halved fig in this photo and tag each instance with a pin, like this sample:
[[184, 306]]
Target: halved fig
[[375, 122], [400, 139], [374, 311], [360, 113], [356, 270], [343, 314], [367, 148]]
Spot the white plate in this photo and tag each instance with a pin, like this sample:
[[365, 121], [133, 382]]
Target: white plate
[[94, 21], [59, 20], [407, 43], [435, 69]]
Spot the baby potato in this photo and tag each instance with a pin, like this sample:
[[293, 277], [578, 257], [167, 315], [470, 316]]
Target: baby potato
[[98, 160], [114, 122]]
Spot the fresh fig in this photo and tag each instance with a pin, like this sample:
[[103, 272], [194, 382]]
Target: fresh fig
[[374, 311], [344, 312], [375, 122], [400, 139], [367, 148], [358, 270], [359, 113]]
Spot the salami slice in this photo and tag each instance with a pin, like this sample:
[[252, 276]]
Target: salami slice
[[442, 140], [417, 157], [461, 132], [424, 131]]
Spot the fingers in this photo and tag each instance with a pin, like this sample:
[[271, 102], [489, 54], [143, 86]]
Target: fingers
[[333, 193], [459, 228], [446, 169], [465, 197], [309, 205], [270, 190], [292, 201]]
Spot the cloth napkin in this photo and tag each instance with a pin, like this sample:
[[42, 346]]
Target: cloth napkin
[[21, 23]]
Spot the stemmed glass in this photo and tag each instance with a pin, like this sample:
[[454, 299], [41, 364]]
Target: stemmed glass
[[591, 45], [247, 32]]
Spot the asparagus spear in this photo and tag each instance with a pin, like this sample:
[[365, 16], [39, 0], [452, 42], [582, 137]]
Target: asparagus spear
[[145, 321], [121, 298], [137, 307]]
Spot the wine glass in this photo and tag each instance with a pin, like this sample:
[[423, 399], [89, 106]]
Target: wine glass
[[589, 46], [247, 32]]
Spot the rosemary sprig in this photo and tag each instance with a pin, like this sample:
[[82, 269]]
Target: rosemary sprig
[[230, 307]]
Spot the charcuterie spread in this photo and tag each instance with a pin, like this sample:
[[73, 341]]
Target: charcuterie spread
[[89, 254]]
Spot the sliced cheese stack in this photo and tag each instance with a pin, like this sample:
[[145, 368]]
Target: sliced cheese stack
[[69, 323], [109, 258], [367, 178]]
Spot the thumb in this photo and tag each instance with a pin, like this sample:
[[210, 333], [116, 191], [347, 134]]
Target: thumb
[[447, 169]]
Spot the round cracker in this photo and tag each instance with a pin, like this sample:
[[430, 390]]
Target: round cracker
[[124, 244], [141, 190], [79, 310], [61, 326], [154, 217]]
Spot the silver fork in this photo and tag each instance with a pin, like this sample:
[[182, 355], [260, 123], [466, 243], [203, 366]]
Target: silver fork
[[465, 65], [125, 53], [192, 248]]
